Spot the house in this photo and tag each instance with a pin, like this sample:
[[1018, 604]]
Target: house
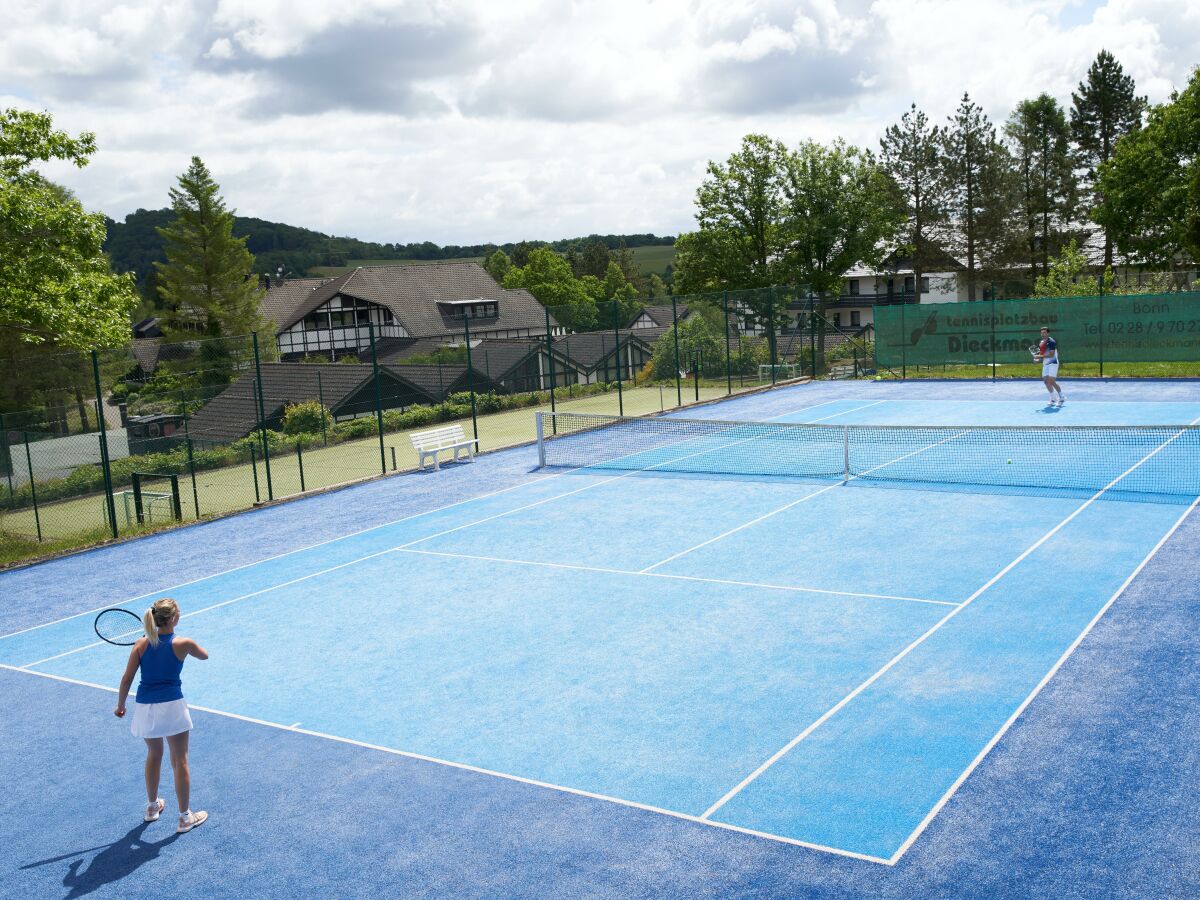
[[346, 390], [334, 316], [595, 356], [660, 317]]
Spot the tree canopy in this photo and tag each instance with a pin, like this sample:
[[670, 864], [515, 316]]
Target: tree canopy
[[56, 285]]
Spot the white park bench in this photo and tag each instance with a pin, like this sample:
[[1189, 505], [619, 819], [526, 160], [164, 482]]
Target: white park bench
[[448, 437]]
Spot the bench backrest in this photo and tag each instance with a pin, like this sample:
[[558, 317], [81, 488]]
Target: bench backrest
[[437, 437]]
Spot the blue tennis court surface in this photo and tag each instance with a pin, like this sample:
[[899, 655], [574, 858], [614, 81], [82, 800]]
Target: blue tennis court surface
[[799, 659]]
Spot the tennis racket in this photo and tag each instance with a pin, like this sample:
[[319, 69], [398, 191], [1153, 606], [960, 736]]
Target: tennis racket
[[119, 626], [1033, 350]]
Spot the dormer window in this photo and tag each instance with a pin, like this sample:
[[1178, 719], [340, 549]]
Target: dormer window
[[471, 309]]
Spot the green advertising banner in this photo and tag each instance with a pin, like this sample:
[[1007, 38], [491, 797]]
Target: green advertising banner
[[1115, 328]]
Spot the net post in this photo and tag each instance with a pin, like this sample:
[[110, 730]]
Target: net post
[[470, 377], [393, 449], [845, 453], [321, 400], [378, 406], [254, 472], [541, 440], [617, 356], [300, 465], [176, 505]]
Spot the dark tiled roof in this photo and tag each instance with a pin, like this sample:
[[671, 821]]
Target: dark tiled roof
[[282, 298], [412, 294], [662, 315], [589, 349]]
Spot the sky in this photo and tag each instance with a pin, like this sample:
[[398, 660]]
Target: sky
[[475, 121]]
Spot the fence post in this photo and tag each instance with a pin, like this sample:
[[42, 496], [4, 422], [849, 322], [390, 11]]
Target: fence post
[[696, 373], [321, 400], [550, 355], [254, 472], [903, 343], [6, 457], [675, 331], [192, 471], [37, 519], [262, 419], [993, 335], [1102, 326], [378, 405], [616, 309], [300, 464], [104, 460], [728, 360], [771, 329], [471, 377], [812, 333]]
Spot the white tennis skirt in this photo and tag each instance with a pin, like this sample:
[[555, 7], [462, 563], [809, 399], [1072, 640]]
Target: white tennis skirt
[[156, 720]]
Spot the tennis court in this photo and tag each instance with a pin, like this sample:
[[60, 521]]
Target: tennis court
[[810, 629]]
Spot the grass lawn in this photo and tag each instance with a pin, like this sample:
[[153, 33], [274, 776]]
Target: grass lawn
[[654, 260], [81, 520]]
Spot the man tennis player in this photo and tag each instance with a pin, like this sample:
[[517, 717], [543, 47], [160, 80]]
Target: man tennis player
[[1047, 352]]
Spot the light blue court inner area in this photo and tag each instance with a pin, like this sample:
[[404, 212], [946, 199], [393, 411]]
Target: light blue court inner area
[[812, 660], [1034, 411]]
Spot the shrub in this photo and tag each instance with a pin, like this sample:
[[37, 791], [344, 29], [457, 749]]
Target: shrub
[[309, 417]]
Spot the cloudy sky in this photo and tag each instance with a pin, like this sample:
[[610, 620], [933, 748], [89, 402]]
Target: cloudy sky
[[467, 121]]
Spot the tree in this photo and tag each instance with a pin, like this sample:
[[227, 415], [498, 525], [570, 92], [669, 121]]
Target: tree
[[1067, 276], [498, 265], [204, 280], [56, 285], [548, 277], [1039, 134], [980, 190], [594, 260], [1150, 189], [697, 338], [841, 208], [657, 288], [1103, 109], [910, 154]]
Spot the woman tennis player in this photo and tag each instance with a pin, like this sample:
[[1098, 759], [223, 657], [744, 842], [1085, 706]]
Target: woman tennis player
[[1047, 352], [159, 710]]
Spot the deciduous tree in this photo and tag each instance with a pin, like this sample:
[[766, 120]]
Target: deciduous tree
[[56, 285]]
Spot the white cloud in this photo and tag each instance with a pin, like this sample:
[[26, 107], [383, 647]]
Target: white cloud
[[461, 121]]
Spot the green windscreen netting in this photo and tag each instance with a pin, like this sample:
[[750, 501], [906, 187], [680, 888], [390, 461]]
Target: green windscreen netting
[[1138, 328]]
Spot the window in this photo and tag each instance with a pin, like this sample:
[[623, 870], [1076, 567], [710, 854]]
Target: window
[[855, 318], [924, 284], [909, 284], [854, 287], [837, 318]]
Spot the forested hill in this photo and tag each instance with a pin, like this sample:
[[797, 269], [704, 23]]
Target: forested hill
[[134, 245]]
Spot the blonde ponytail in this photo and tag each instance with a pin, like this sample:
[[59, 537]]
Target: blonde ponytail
[[158, 615], [151, 627]]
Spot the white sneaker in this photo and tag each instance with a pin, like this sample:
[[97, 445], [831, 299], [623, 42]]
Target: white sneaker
[[189, 820], [1061, 400], [154, 810]]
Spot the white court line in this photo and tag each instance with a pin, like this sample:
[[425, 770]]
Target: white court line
[[353, 534], [586, 487], [950, 792], [488, 772], [733, 792], [784, 508], [606, 571]]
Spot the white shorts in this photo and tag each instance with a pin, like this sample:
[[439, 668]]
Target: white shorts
[[157, 720], [1050, 368]]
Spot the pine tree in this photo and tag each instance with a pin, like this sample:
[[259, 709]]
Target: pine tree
[[205, 281], [910, 154], [1039, 134], [979, 185], [1104, 108]]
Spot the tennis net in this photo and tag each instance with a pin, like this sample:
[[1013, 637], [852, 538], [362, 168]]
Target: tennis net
[[1151, 459]]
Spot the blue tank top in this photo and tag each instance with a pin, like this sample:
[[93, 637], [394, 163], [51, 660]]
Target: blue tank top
[[160, 670]]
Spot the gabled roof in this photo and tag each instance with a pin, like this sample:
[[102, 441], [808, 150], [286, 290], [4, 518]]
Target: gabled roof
[[588, 349], [661, 315], [413, 294], [282, 297]]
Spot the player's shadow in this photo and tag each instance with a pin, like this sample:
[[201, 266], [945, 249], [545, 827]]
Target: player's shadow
[[115, 861]]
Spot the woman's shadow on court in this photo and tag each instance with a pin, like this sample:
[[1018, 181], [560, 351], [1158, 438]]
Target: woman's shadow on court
[[115, 861]]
